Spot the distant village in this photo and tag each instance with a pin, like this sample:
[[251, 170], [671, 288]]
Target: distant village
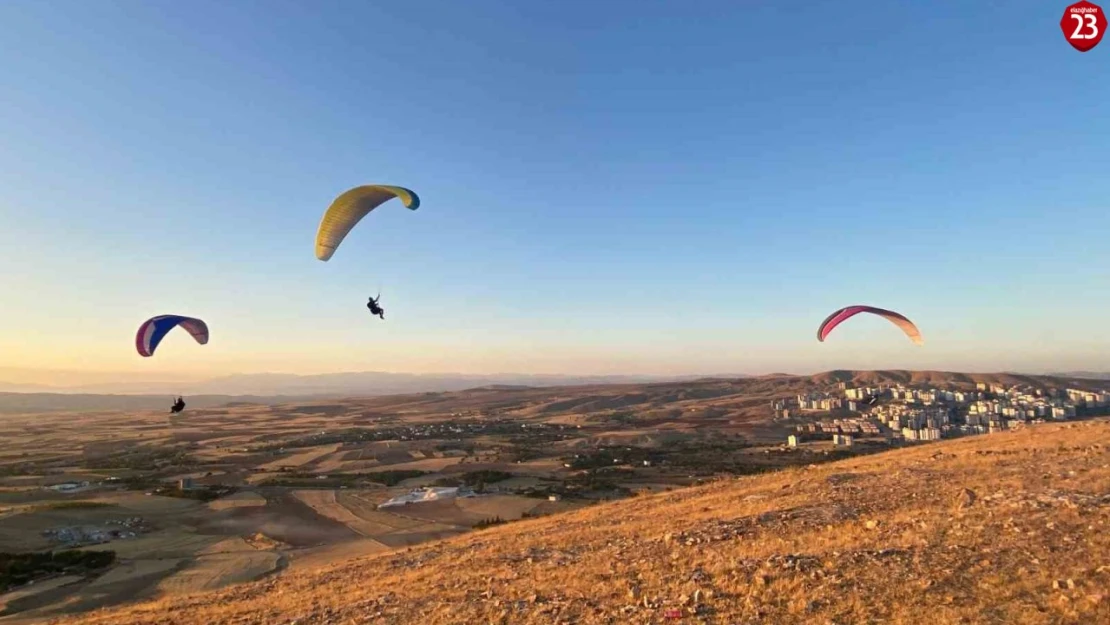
[[897, 413], [114, 529]]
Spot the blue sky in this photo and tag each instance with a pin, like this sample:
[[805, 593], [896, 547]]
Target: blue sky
[[620, 186]]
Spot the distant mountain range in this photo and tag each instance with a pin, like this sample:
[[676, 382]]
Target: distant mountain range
[[343, 384], [372, 383], [270, 388], [16, 403], [1088, 375], [273, 388]]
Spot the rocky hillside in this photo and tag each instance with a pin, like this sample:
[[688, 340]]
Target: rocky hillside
[[1005, 528]]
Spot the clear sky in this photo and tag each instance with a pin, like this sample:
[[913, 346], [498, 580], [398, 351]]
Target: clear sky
[[626, 186]]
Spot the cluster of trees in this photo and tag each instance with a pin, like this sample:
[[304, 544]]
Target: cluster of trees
[[475, 479], [199, 493], [489, 522], [461, 445], [17, 569], [308, 480], [525, 452], [74, 505], [455, 430], [158, 487], [20, 469], [142, 459], [616, 455]]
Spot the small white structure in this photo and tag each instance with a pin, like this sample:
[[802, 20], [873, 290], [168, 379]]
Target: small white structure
[[67, 487], [792, 440], [431, 493]]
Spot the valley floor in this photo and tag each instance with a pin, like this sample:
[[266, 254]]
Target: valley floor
[[1006, 528]]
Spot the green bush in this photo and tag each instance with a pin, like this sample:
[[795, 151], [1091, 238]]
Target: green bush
[[489, 522], [17, 569], [70, 505]]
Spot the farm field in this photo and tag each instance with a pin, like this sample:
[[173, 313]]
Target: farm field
[[943, 519], [209, 572], [225, 495]]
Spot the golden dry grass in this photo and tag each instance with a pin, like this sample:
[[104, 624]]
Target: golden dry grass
[[365, 505], [243, 499], [508, 507], [333, 462], [152, 505], [136, 569], [28, 592], [1006, 528], [428, 464], [300, 459], [167, 543], [210, 572], [227, 545], [330, 555], [324, 502]]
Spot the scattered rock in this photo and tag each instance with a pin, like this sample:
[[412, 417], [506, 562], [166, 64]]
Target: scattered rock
[[966, 498]]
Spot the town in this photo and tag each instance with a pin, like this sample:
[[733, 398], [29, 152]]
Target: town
[[895, 413]]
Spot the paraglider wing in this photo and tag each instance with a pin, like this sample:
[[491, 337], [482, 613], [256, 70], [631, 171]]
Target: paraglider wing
[[153, 330], [347, 209], [843, 314]]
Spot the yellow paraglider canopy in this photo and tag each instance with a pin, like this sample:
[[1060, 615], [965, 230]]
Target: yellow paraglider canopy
[[347, 209]]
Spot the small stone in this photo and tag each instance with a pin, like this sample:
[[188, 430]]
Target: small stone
[[966, 498]]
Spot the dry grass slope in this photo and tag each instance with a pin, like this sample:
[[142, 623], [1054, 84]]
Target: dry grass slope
[[1007, 528]]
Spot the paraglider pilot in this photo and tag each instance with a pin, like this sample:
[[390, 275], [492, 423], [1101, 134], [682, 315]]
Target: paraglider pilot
[[375, 309], [178, 405]]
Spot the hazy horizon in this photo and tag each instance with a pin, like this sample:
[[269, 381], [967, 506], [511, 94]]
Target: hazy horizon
[[660, 189], [68, 380]]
